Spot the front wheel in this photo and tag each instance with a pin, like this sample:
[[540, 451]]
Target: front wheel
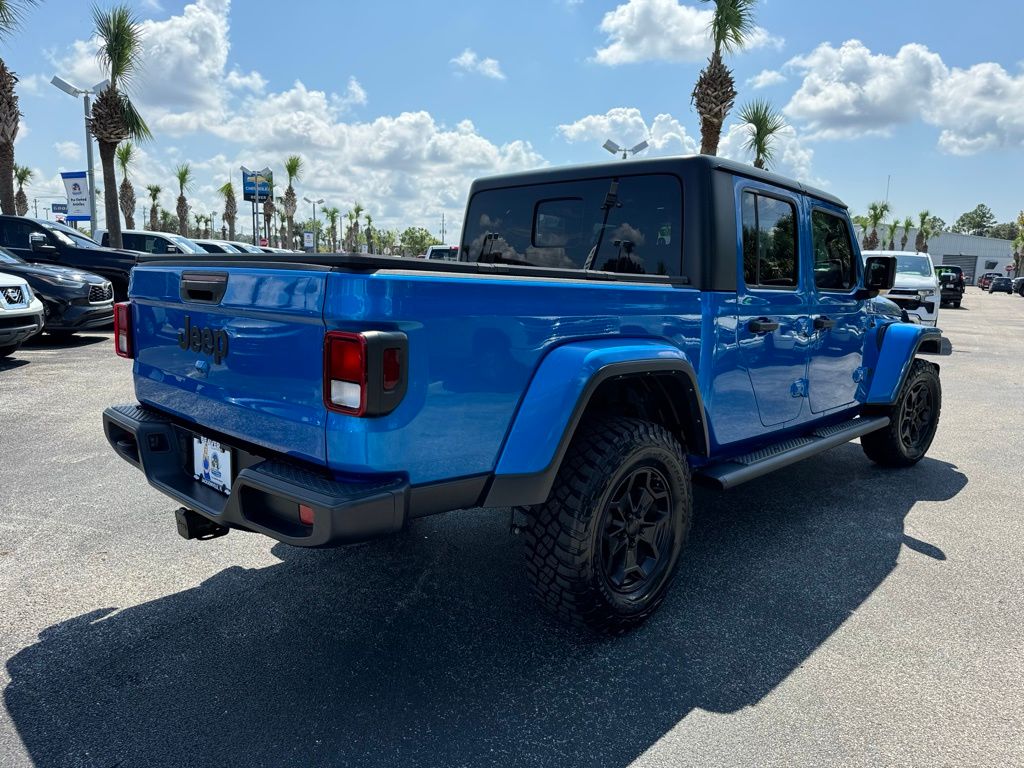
[[604, 549], [9, 350], [914, 417]]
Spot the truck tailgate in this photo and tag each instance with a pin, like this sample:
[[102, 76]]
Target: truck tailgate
[[239, 347]]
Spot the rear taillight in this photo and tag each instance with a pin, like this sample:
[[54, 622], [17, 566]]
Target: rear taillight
[[365, 374], [123, 330], [345, 372]]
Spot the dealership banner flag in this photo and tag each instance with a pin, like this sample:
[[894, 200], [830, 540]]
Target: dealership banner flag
[[77, 187]]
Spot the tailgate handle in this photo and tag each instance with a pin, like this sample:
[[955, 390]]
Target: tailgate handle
[[203, 287]]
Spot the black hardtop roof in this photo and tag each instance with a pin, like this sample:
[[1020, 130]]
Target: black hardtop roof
[[674, 164]]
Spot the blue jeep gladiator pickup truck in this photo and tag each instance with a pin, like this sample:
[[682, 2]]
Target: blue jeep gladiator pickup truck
[[609, 334]]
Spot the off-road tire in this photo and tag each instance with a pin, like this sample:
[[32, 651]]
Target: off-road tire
[[570, 538], [904, 443], [956, 304]]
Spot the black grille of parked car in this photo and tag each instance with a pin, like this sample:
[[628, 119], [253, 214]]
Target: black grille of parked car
[[100, 293], [13, 294]]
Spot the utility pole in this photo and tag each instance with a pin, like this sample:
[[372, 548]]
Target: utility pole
[[442, 227], [35, 206]]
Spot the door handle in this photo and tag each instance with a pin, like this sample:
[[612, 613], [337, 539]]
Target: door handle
[[762, 325], [821, 323]]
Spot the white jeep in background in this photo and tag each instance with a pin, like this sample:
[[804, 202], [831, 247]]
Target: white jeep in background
[[916, 289], [21, 313]]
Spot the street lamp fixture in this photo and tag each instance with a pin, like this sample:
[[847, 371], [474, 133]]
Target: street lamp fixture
[[315, 203], [86, 94], [614, 148]]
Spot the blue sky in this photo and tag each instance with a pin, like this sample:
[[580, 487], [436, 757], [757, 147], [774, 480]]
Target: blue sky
[[399, 105]]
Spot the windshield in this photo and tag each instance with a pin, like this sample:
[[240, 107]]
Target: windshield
[[186, 245], [914, 265], [245, 247], [6, 257], [70, 237]]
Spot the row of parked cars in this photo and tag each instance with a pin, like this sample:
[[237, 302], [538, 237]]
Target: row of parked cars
[[55, 279], [997, 282]]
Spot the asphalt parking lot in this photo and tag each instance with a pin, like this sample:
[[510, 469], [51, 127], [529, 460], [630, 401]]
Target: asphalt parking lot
[[834, 613]]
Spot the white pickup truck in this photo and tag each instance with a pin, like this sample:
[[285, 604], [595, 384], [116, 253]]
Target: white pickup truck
[[21, 313], [916, 289]]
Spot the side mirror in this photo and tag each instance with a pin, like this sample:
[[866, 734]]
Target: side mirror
[[172, 249], [879, 273], [37, 242]]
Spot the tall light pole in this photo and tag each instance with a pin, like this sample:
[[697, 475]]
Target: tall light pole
[[315, 204], [614, 148], [86, 94]]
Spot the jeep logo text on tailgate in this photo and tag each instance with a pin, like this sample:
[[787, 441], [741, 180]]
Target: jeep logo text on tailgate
[[204, 340]]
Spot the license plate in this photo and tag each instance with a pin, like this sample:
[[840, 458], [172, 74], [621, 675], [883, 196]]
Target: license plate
[[211, 463]]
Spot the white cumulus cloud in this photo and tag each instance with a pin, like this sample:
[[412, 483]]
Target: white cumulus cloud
[[662, 30], [68, 150], [850, 91], [626, 126], [766, 78], [468, 61]]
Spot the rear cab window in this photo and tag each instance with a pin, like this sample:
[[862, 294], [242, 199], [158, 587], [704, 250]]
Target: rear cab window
[[626, 225]]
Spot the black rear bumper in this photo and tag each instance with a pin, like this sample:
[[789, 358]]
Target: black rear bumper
[[265, 493]]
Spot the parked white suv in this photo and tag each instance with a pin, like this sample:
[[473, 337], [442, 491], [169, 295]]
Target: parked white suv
[[916, 289], [21, 313]]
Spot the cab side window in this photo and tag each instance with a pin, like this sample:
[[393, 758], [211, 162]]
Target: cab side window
[[14, 234], [835, 268], [769, 242]]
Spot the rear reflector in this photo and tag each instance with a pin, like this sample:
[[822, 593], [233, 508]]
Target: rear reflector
[[305, 514], [391, 368], [123, 329]]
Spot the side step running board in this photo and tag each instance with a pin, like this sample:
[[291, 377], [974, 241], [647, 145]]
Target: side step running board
[[740, 469]]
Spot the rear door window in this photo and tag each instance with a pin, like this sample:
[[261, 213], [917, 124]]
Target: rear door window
[[769, 242], [630, 225]]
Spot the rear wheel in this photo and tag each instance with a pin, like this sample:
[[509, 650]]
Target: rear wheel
[[604, 549], [914, 417], [61, 335], [9, 350]]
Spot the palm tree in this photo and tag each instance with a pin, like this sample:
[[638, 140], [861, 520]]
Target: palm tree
[[114, 117], [331, 214], [268, 217], [357, 211], [230, 208], [199, 219], [168, 223], [22, 175], [892, 234], [349, 240], [11, 14], [369, 233], [154, 195], [764, 123], [863, 223], [126, 197], [293, 169], [183, 173], [923, 232], [908, 224], [876, 213], [715, 91]]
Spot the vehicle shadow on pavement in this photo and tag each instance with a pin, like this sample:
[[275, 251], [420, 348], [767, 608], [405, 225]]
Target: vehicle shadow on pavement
[[47, 341], [427, 649], [10, 363]]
